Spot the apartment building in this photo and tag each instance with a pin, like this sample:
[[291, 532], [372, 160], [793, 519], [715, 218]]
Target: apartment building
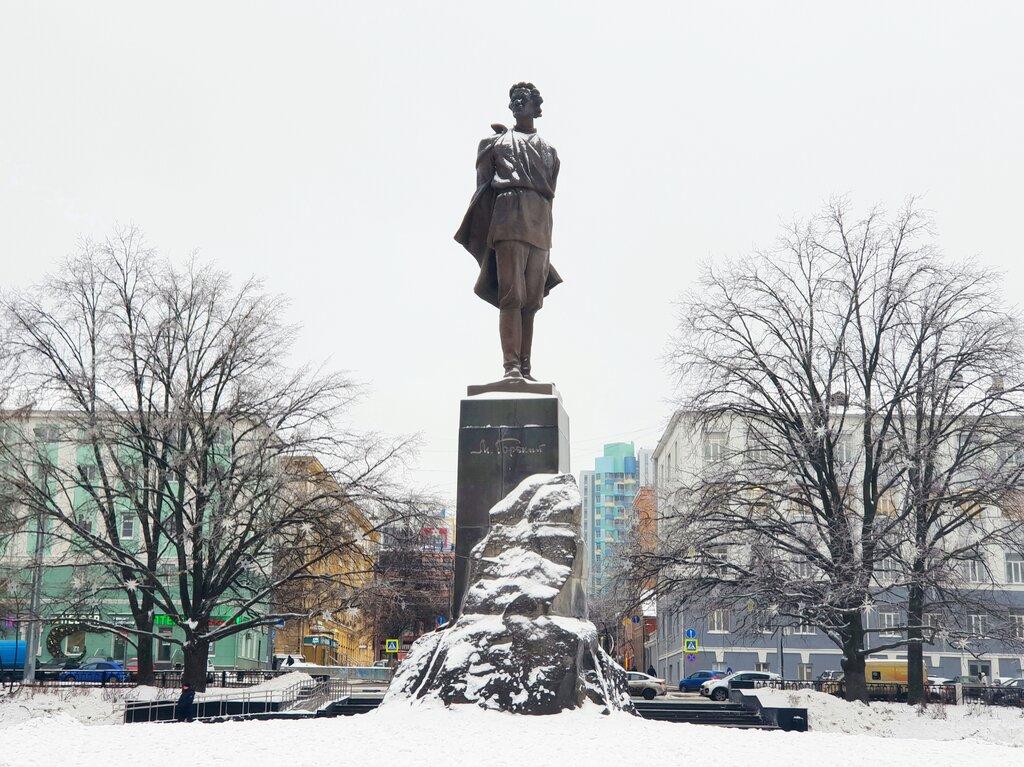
[[722, 636]]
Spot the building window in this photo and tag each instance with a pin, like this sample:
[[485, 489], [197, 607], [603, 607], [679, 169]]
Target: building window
[[764, 668], [87, 474], [887, 622], [84, 522], [803, 569], [804, 629], [978, 623], [1014, 567], [762, 624], [47, 433], [718, 622], [1017, 625], [717, 558], [127, 526], [974, 570], [932, 621], [714, 446], [805, 672], [887, 568]]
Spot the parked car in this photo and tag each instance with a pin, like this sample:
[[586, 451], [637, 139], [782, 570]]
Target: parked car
[[98, 671], [718, 689], [693, 682], [647, 686], [830, 676]]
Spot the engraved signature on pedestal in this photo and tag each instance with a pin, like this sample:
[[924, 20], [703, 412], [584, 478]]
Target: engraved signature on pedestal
[[506, 446]]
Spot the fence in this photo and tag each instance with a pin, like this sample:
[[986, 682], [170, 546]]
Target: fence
[[164, 678], [992, 695]]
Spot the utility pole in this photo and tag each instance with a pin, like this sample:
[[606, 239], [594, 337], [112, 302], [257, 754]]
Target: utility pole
[[34, 626], [782, 661]]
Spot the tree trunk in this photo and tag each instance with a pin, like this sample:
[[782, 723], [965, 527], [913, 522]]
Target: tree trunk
[[196, 653], [145, 675], [143, 615], [916, 694], [853, 657]]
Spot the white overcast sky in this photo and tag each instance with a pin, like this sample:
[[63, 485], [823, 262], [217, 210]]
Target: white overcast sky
[[329, 148]]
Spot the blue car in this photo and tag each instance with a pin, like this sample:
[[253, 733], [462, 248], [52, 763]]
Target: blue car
[[97, 671], [693, 682]]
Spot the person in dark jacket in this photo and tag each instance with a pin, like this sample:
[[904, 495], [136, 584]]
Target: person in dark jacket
[[650, 671], [185, 708]]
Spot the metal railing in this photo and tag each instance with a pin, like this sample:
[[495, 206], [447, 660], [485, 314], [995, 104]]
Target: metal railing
[[319, 695], [215, 705]]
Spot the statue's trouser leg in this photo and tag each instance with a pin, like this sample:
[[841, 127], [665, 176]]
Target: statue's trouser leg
[[512, 257], [535, 278]]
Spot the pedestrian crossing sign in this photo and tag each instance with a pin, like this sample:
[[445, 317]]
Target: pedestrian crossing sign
[[390, 645], [690, 645]]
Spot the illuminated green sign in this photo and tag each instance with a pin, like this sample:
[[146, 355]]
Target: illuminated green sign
[[167, 620]]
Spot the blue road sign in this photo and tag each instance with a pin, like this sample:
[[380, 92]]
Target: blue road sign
[[636, 619], [691, 633], [691, 658]]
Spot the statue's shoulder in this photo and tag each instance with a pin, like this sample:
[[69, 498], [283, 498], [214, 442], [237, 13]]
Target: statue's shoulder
[[486, 143]]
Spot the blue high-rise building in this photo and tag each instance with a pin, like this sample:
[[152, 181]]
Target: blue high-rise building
[[608, 493]]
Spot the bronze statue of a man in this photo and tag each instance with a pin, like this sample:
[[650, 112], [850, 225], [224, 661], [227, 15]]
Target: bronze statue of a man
[[508, 226]]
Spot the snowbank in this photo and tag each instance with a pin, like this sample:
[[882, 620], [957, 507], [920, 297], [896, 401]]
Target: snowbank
[[40, 728], [67, 706], [827, 713], [402, 736], [95, 705]]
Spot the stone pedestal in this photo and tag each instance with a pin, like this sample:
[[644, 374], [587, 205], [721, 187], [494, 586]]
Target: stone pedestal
[[506, 433]]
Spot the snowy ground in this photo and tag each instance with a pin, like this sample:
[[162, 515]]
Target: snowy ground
[[397, 736]]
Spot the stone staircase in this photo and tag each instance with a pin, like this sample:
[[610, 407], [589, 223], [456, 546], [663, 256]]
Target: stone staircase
[[353, 704]]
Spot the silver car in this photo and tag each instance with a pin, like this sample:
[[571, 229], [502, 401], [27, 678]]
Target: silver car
[[645, 685]]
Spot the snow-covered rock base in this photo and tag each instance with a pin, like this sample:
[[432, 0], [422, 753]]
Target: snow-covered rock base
[[523, 643]]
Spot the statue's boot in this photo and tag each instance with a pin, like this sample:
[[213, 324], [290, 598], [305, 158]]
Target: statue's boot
[[526, 346], [510, 328]]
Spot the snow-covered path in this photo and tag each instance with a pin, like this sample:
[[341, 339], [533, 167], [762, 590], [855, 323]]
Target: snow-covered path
[[401, 737]]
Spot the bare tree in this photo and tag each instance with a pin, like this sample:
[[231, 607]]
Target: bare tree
[[411, 587], [959, 432], [801, 363], [173, 389]]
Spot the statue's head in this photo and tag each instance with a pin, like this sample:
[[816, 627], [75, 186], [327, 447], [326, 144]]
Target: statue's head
[[524, 100]]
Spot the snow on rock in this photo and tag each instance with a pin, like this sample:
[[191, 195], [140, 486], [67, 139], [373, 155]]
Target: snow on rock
[[523, 643]]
